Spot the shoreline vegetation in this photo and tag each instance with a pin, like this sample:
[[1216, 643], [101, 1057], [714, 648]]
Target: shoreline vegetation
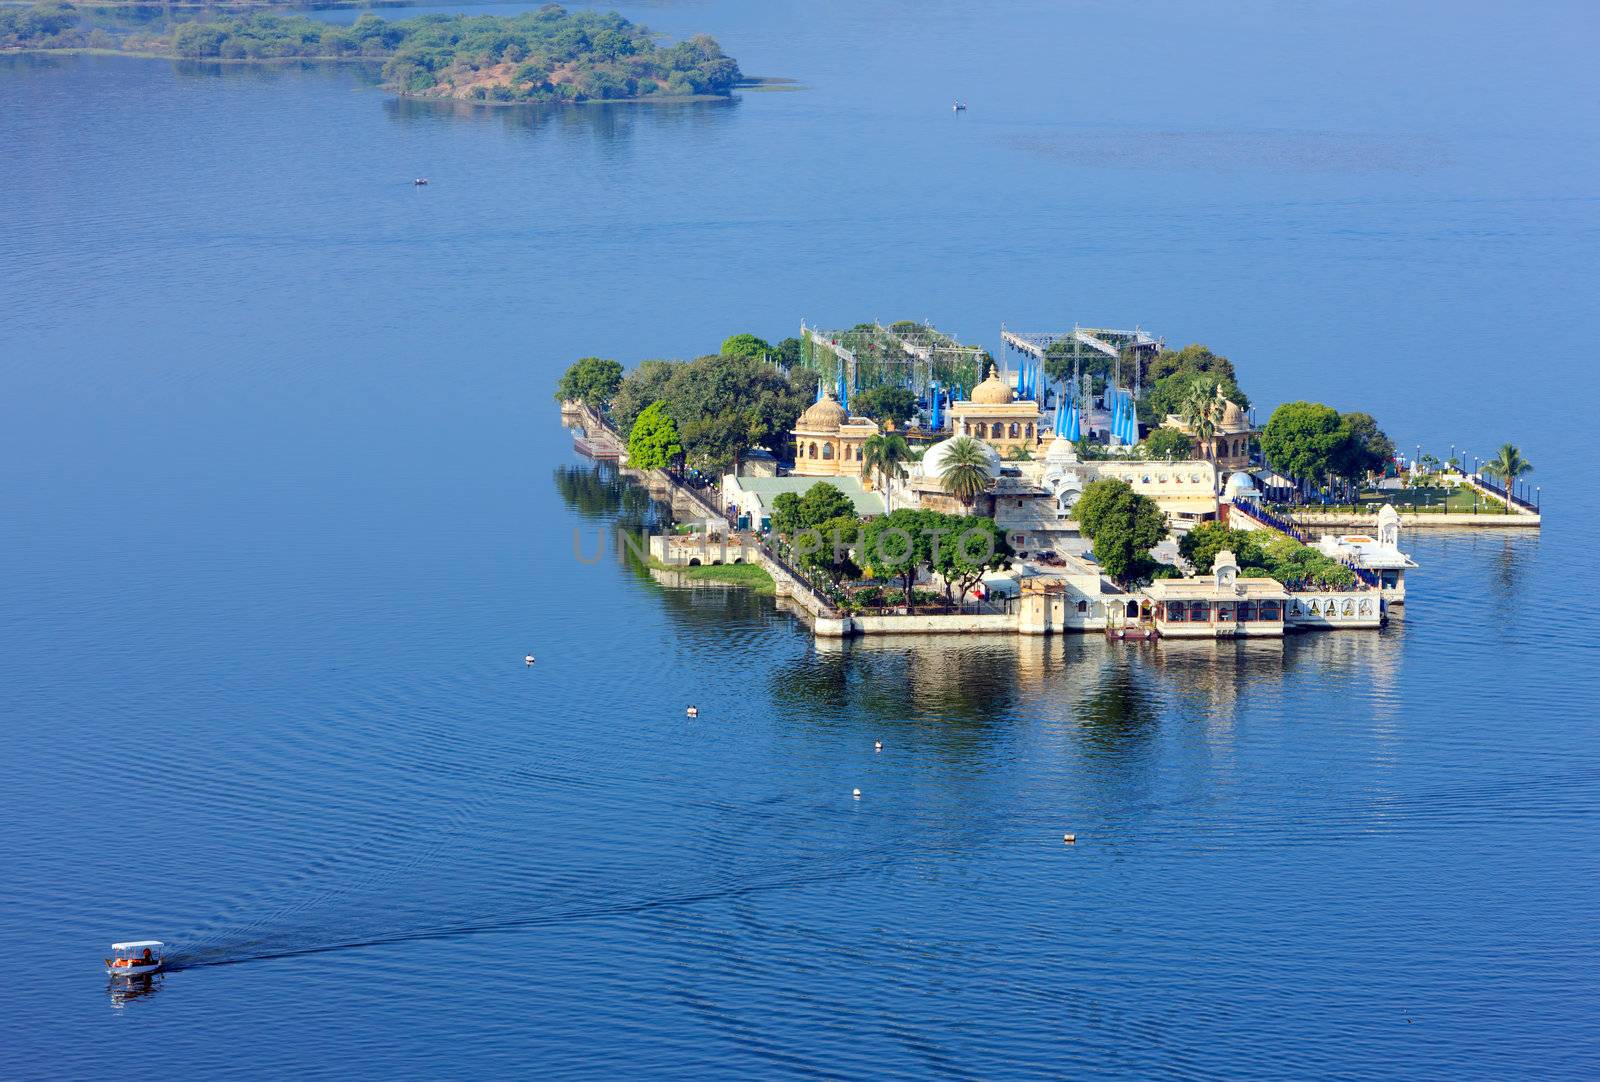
[[549, 56]]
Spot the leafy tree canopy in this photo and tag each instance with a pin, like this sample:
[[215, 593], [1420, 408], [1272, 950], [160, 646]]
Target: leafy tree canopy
[[1123, 525], [1367, 449], [1193, 358], [1201, 544], [899, 544], [590, 380], [1267, 554], [968, 546], [885, 403], [1168, 443], [1306, 439], [747, 345], [965, 471], [830, 551], [822, 502], [653, 442], [1169, 393], [645, 384]]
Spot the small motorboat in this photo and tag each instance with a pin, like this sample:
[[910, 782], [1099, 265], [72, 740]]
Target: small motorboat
[[137, 958], [959, 107], [422, 182]]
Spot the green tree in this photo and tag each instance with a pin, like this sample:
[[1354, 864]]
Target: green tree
[[965, 472], [1168, 443], [1366, 449], [1169, 393], [885, 403], [967, 546], [1191, 359], [786, 514], [1294, 564], [1508, 465], [1123, 525], [899, 544], [1305, 439], [726, 405], [885, 458], [793, 512], [747, 345], [653, 442], [788, 352], [823, 502], [826, 547], [645, 384], [590, 380], [1201, 544]]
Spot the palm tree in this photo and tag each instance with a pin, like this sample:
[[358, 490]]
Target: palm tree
[[965, 473], [1507, 465], [1201, 412], [885, 458]]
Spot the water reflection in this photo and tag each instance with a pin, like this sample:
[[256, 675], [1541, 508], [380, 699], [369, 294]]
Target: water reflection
[[1117, 710], [613, 123], [599, 491], [366, 73], [124, 990], [965, 679]]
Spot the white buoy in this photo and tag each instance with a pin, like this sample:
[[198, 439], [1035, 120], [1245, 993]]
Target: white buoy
[[877, 745], [693, 712], [856, 793], [528, 660], [1070, 839]]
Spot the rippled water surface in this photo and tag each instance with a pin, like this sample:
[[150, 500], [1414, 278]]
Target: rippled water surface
[[286, 501]]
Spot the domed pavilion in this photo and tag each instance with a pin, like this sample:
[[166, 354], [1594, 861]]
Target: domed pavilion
[[1229, 445], [993, 414], [828, 441]]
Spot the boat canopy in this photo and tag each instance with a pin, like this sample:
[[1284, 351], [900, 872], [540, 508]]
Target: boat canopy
[[136, 944]]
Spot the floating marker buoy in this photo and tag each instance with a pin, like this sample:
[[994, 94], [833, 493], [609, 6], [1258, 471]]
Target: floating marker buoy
[[528, 660], [856, 793], [877, 745], [1070, 839], [693, 712]]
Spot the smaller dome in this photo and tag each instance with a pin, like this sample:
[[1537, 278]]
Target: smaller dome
[[933, 458], [993, 391], [824, 416], [1239, 484], [1233, 418], [1061, 452]]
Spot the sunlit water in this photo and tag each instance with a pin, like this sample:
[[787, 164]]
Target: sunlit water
[[286, 501]]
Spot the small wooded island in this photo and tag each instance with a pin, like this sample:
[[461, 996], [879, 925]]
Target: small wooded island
[[550, 55]]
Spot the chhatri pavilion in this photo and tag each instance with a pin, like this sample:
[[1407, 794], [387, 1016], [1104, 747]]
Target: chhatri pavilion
[[828, 441], [1229, 444], [993, 415]]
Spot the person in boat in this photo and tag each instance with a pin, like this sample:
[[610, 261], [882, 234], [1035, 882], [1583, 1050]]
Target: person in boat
[[144, 959]]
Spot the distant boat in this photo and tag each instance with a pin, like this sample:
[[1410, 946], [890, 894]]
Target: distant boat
[[136, 958], [959, 107], [421, 181]]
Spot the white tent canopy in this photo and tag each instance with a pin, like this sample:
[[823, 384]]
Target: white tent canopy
[[136, 944]]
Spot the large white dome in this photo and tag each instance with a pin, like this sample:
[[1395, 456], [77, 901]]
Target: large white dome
[[933, 459]]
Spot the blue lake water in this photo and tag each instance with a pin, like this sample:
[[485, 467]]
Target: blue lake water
[[286, 500]]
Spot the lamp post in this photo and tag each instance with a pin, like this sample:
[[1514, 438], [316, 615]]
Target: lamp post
[[1537, 490]]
